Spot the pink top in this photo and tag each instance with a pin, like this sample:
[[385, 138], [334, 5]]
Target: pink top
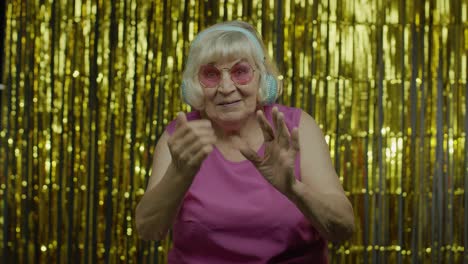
[[231, 214]]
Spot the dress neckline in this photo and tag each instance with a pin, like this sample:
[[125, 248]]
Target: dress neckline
[[218, 153]]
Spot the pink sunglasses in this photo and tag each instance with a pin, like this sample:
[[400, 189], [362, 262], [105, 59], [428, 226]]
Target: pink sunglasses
[[241, 73]]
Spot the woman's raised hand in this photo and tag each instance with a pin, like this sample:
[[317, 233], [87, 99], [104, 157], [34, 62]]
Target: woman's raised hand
[[190, 144], [278, 163]]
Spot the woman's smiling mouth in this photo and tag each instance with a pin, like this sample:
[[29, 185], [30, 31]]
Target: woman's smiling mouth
[[229, 103]]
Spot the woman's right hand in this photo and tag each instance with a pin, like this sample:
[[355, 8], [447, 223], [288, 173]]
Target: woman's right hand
[[190, 144]]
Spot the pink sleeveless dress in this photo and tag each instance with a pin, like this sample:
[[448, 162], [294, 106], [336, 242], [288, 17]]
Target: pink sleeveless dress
[[231, 214]]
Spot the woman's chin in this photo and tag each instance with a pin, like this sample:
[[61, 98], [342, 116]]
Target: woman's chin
[[231, 120], [231, 116]]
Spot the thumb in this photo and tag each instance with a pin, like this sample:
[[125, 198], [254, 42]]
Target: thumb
[[295, 139], [181, 119], [247, 151]]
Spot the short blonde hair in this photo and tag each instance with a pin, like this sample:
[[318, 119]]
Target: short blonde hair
[[211, 45]]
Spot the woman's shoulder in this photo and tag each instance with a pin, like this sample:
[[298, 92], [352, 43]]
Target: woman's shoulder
[[292, 115], [290, 110], [194, 115]]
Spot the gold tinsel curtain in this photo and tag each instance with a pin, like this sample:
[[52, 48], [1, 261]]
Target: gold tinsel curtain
[[90, 85]]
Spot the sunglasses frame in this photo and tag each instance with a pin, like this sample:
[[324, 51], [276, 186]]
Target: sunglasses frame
[[220, 70]]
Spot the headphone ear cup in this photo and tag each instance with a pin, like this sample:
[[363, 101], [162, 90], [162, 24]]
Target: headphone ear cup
[[183, 91], [272, 89]]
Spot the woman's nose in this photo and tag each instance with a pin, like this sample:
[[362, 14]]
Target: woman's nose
[[226, 85]]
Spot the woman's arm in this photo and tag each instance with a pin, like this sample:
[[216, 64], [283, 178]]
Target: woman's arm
[[319, 194], [159, 205], [176, 161]]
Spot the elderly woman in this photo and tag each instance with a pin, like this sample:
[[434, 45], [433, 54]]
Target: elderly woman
[[242, 179]]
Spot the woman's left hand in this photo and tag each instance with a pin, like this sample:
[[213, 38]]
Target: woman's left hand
[[278, 163]]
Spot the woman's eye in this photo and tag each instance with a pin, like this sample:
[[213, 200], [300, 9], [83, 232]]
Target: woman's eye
[[240, 71], [211, 74]]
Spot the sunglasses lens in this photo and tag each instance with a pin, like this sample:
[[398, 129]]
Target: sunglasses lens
[[209, 76], [241, 73]]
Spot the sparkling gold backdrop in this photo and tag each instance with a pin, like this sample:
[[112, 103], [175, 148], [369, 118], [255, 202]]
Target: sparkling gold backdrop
[[90, 86]]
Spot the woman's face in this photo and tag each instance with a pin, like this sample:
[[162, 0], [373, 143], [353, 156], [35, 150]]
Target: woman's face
[[230, 87]]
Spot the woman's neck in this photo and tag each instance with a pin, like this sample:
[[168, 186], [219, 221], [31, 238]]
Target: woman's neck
[[248, 130], [243, 129]]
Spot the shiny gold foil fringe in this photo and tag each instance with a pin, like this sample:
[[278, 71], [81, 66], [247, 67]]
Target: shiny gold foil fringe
[[90, 86]]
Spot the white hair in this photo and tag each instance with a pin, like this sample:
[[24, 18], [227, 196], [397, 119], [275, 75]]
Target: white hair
[[211, 45]]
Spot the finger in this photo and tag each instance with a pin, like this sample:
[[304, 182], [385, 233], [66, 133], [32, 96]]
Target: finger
[[181, 119], [198, 158], [180, 128], [186, 136], [202, 132], [181, 138], [281, 137], [186, 150], [267, 130], [282, 133], [192, 148], [274, 114], [251, 155], [179, 134], [295, 141], [200, 123], [193, 127], [247, 151]]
